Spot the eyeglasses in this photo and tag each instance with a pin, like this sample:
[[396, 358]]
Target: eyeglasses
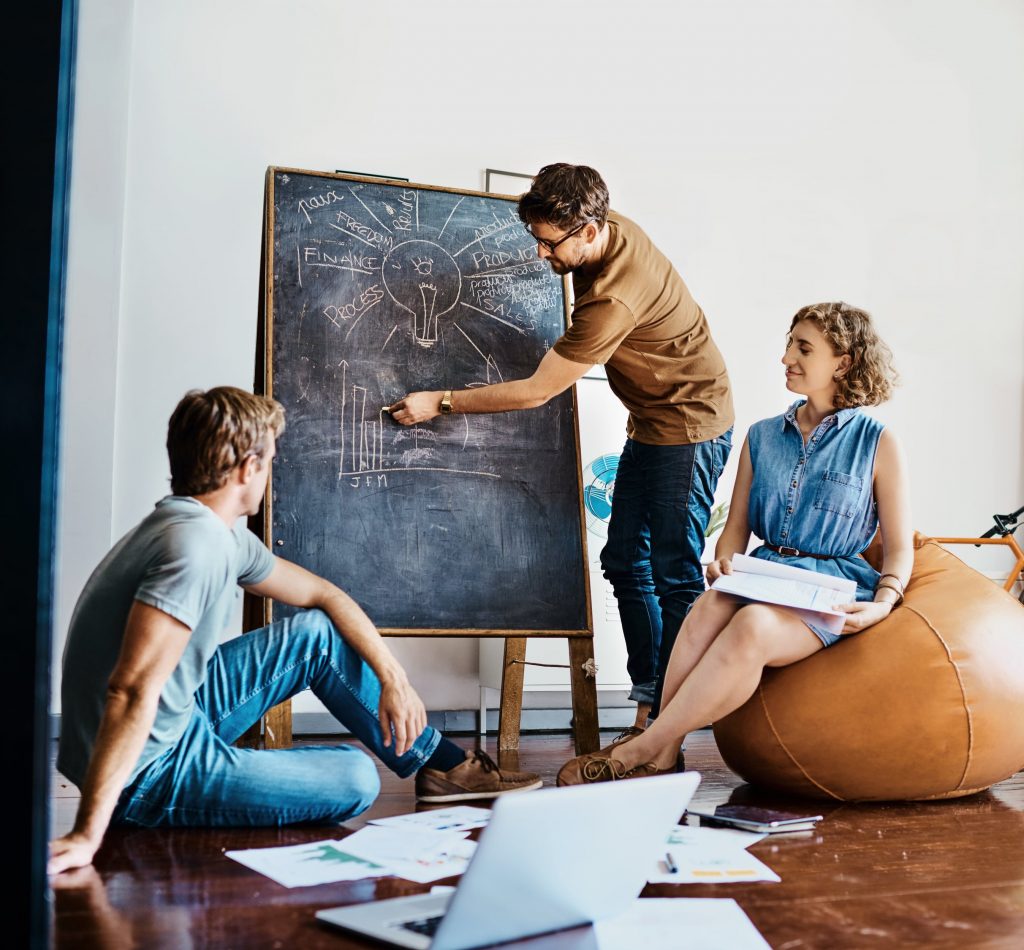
[[551, 245]]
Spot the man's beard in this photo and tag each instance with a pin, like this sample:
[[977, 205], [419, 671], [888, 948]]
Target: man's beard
[[562, 268]]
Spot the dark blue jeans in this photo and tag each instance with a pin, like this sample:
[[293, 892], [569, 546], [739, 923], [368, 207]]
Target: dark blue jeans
[[660, 510]]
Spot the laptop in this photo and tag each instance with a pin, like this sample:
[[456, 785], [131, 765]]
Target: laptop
[[547, 860]]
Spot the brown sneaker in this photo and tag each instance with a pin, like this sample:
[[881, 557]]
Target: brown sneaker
[[595, 767], [477, 777]]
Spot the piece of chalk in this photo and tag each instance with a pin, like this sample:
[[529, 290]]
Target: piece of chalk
[[386, 409]]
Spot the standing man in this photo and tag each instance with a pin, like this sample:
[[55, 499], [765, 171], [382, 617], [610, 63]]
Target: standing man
[[634, 314], [152, 702]]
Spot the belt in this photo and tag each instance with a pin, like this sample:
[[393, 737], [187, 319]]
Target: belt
[[793, 552]]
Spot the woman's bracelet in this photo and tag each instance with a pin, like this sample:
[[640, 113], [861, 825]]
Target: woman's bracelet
[[895, 590], [902, 589]]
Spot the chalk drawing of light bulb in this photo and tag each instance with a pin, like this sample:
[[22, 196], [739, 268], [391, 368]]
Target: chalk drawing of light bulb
[[422, 278]]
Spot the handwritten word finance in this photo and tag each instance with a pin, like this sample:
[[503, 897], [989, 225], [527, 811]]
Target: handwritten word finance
[[346, 260]]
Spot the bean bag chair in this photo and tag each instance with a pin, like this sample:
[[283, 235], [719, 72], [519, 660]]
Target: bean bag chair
[[927, 704]]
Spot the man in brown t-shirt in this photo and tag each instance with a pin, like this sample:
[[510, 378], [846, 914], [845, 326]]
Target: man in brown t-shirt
[[634, 314]]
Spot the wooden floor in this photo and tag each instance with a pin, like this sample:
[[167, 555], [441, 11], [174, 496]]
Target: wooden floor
[[944, 874]]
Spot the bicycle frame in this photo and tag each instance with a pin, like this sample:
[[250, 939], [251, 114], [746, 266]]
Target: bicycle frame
[[1008, 541]]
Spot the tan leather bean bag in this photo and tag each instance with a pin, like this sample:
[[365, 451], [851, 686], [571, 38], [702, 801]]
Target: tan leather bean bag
[[927, 704]]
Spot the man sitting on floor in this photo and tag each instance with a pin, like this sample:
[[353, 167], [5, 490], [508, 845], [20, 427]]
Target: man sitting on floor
[[151, 703]]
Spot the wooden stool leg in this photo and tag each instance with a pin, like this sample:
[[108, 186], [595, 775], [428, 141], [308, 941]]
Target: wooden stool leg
[[584, 694], [510, 715], [252, 738], [273, 731], [277, 727]]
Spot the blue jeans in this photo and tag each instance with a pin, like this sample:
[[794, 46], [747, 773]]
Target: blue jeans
[[204, 780], [660, 510]]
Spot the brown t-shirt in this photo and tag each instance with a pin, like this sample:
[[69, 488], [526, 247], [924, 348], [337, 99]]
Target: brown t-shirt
[[638, 318]]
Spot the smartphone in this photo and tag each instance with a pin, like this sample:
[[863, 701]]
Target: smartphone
[[752, 818]]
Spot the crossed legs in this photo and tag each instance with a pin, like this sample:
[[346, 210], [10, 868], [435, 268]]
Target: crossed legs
[[716, 664]]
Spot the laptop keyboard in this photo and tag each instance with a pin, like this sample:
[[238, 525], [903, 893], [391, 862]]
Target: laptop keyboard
[[427, 926]]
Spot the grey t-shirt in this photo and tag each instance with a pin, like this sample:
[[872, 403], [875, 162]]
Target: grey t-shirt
[[183, 560]]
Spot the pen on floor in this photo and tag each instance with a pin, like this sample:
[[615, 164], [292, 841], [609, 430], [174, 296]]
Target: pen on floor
[[673, 868]]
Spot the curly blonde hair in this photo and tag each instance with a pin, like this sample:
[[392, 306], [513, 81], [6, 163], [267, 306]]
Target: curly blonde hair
[[872, 376]]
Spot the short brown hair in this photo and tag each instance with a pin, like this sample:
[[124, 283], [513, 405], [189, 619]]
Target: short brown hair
[[565, 196], [213, 432], [871, 377]]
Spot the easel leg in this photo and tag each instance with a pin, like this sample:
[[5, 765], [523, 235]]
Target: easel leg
[[511, 695], [584, 694]]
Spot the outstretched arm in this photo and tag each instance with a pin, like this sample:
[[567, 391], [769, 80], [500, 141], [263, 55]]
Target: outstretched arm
[[401, 709], [152, 646], [554, 375], [892, 495]]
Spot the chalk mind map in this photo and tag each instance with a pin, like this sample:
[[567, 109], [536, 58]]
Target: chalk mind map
[[438, 278]]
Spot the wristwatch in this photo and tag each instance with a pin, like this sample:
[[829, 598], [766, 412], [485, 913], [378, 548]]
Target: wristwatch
[[446, 402]]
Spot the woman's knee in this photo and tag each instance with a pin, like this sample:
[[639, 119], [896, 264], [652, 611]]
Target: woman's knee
[[708, 615], [748, 634]]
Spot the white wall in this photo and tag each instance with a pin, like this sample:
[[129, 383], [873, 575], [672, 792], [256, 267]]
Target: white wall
[[779, 153], [90, 370]]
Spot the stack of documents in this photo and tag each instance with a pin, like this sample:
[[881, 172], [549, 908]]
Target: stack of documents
[[806, 592]]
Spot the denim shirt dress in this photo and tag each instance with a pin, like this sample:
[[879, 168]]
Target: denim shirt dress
[[816, 498]]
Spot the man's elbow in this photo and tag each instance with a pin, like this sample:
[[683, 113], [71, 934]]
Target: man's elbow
[[126, 693], [541, 392], [535, 401]]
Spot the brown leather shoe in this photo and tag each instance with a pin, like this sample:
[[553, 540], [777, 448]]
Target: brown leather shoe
[[477, 777], [596, 767], [631, 732]]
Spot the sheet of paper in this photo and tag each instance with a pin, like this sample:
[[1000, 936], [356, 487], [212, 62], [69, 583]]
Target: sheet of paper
[[778, 590], [457, 818], [383, 845], [721, 838], [736, 867], [710, 856], [766, 568], [450, 862], [665, 923], [413, 853], [303, 865]]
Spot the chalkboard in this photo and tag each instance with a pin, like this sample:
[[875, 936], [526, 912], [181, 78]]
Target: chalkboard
[[463, 525]]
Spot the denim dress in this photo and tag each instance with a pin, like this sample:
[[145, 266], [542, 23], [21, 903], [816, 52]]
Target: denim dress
[[817, 497]]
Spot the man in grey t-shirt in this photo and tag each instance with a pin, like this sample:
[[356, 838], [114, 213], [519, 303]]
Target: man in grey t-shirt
[[152, 702]]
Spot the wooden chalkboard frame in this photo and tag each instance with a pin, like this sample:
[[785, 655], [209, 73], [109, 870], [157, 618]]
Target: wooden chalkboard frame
[[259, 611]]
